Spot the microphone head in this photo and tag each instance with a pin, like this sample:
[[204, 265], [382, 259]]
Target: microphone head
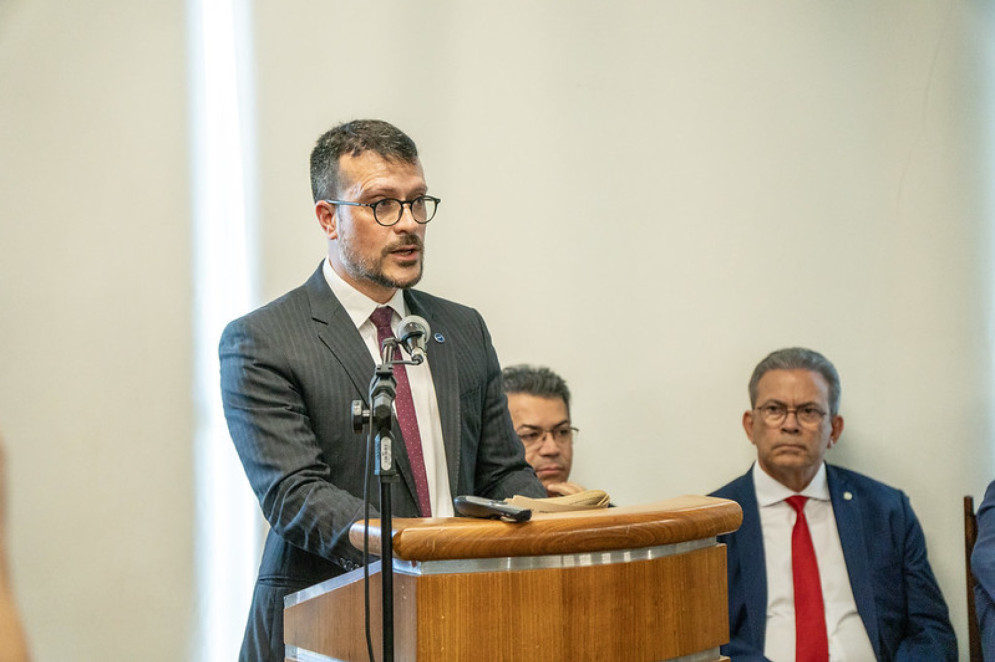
[[410, 326], [413, 332]]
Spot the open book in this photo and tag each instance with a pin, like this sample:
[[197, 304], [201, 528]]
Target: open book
[[586, 500]]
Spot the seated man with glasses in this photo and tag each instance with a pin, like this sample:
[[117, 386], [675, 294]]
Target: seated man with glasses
[[828, 563], [539, 403]]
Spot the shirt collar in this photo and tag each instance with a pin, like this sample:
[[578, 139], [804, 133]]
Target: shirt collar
[[357, 305], [769, 491]]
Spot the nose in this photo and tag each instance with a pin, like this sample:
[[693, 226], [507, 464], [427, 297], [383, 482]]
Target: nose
[[790, 420], [407, 222], [548, 445]]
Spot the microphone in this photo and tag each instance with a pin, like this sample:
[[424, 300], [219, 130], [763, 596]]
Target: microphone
[[413, 332]]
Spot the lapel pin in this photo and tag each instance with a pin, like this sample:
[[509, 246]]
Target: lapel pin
[[439, 337], [847, 496]]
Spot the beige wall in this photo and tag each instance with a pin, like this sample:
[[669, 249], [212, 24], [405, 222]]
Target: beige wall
[[95, 346], [646, 196]]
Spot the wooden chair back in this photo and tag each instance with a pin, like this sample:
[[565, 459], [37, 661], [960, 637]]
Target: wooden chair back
[[970, 537]]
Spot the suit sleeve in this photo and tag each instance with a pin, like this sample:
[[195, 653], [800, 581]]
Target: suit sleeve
[[983, 567], [929, 634], [272, 432], [501, 470]]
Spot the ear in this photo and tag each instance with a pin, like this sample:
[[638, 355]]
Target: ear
[[836, 431], [748, 425], [327, 216]]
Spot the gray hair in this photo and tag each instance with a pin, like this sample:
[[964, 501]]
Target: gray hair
[[538, 381], [354, 138], [799, 358]]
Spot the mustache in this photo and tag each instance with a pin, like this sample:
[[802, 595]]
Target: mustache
[[405, 242]]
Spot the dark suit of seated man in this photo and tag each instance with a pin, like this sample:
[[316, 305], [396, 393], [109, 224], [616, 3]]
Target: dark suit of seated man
[[869, 592], [983, 566]]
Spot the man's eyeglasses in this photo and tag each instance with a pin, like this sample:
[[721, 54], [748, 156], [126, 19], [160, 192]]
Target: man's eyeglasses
[[808, 416], [388, 211], [563, 435]]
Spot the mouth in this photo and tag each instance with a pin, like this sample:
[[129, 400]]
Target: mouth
[[409, 250], [790, 448], [406, 256], [553, 470]]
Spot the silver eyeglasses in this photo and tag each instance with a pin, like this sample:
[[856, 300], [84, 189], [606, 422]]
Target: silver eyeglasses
[[388, 211], [563, 435], [774, 414]]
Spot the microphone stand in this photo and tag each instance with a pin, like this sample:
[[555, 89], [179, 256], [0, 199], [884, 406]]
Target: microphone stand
[[383, 389]]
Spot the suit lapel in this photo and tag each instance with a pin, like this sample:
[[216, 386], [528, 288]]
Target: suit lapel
[[445, 377], [339, 334], [337, 331], [847, 511]]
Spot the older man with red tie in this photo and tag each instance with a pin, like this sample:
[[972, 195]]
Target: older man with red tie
[[828, 563]]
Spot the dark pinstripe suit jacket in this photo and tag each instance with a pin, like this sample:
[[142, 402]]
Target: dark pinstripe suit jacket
[[289, 372]]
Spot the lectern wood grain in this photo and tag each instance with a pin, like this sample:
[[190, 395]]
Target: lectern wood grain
[[644, 610], [614, 606], [629, 527]]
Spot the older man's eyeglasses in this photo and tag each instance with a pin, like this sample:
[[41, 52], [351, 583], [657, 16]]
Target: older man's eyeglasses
[[388, 211], [774, 414], [562, 435]]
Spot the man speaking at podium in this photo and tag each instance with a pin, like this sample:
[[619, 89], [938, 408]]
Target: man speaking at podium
[[290, 370], [828, 564]]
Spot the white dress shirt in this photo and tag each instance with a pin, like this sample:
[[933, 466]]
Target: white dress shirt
[[848, 640], [360, 307]]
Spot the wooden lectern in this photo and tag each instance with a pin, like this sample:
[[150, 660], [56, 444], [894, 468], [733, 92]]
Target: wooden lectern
[[632, 583]]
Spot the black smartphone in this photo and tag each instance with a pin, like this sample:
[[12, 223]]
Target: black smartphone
[[473, 506]]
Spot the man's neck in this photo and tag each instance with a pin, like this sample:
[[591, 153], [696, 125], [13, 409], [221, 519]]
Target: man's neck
[[771, 490], [796, 481], [379, 293]]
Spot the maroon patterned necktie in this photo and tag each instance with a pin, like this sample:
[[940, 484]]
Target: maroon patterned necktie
[[404, 405], [811, 642]]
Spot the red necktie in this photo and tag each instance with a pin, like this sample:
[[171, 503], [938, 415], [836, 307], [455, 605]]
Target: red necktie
[[405, 408], [811, 642]]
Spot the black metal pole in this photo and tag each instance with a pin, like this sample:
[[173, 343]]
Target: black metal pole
[[382, 392], [387, 570]]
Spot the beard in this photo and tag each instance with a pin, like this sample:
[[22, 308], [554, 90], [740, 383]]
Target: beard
[[371, 269]]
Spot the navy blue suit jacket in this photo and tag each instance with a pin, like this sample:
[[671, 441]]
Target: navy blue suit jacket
[[893, 585], [983, 566]]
